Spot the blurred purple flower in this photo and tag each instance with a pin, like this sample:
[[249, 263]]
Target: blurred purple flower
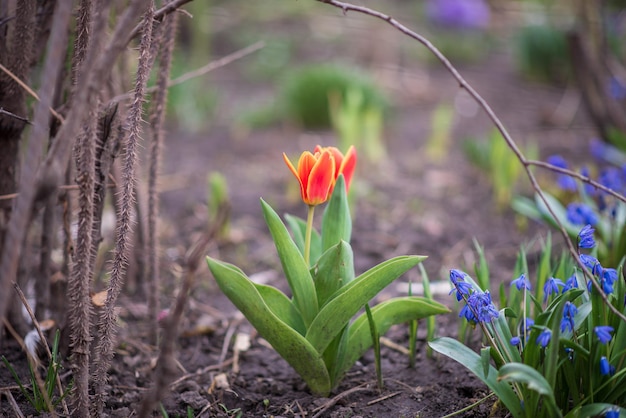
[[581, 214], [617, 89], [603, 333], [565, 182], [464, 14]]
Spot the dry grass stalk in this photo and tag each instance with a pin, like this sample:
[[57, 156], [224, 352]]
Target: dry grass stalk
[[107, 322]]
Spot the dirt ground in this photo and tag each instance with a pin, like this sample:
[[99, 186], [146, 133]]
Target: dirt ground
[[409, 203]]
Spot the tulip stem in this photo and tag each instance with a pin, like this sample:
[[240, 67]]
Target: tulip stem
[[307, 237]]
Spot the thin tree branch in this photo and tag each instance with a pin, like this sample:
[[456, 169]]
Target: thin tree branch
[[346, 7]]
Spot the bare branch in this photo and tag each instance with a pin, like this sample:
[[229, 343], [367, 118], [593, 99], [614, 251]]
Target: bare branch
[[345, 7]]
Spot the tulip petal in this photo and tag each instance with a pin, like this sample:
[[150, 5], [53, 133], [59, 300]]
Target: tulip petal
[[320, 180], [348, 165]]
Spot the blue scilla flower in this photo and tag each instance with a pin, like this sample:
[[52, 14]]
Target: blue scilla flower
[[605, 367], [483, 306], [461, 287], [564, 181], [515, 341], [522, 282], [607, 280], [603, 332], [552, 286], [479, 308], [585, 237], [571, 283], [581, 214], [544, 338], [569, 312], [591, 263], [609, 276], [612, 413]]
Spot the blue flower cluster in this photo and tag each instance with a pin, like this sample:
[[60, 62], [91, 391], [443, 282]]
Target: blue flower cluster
[[554, 286], [478, 305], [611, 176]]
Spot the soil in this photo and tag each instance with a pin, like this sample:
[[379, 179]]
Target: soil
[[408, 203]]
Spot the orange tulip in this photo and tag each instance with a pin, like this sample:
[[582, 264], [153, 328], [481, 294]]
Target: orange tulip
[[343, 164], [318, 171], [316, 174]]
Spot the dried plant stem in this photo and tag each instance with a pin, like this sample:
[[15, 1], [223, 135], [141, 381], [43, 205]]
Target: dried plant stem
[[494, 119], [16, 230], [107, 322], [79, 283], [156, 120]]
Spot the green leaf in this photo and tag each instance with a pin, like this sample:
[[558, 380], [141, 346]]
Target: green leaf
[[521, 373], [385, 314], [334, 270], [336, 222], [472, 361], [290, 344], [347, 301], [295, 268]]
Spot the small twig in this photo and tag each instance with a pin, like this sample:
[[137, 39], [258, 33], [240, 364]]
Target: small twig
[[383, 398], [229, 335], [578, 176], [364, 387], [388, 343], [14, 405], [160, 13], [29, 91], [218, 366], [13, 115]]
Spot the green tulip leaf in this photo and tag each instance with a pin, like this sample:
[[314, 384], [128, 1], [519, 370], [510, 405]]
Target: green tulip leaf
[[298, 230], [472, 361], [287, 341], [336, 222], [335, 269], [347, 301], [295, 268], [385, 314]]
